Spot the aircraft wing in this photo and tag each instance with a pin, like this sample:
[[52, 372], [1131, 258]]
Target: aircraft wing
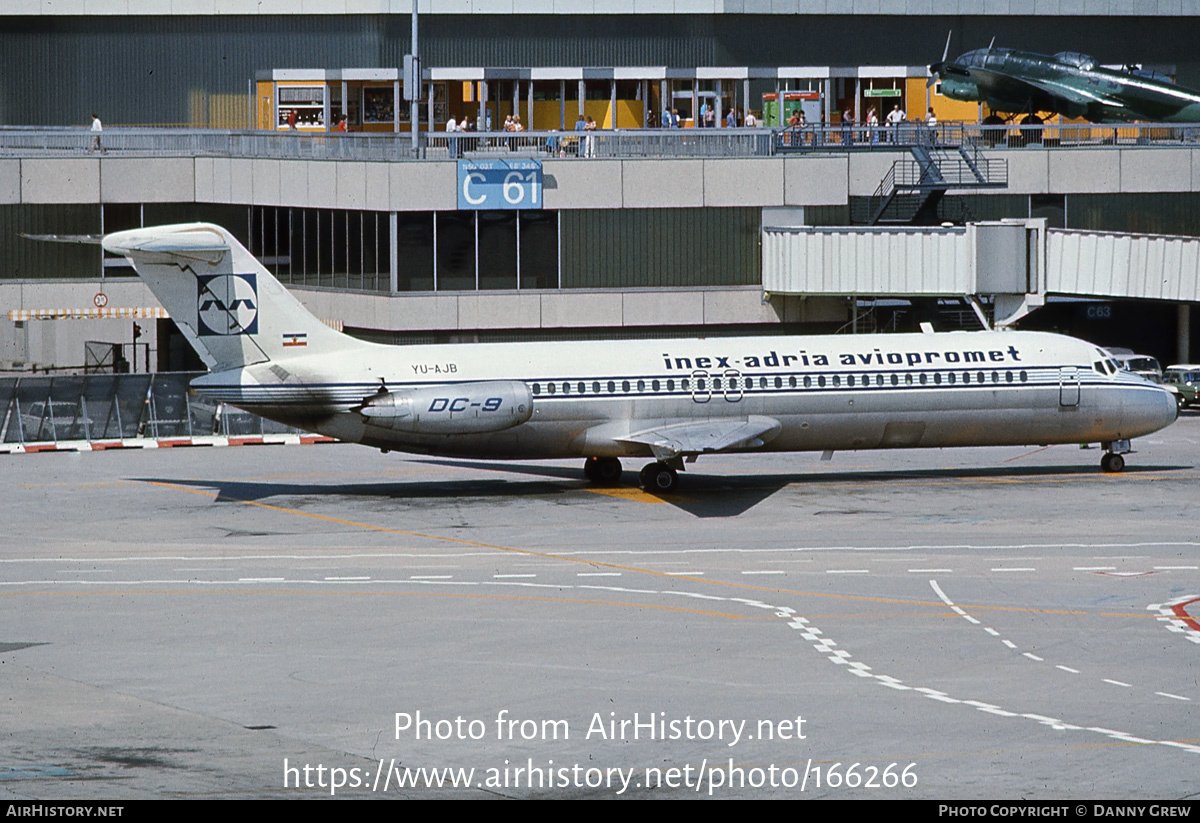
[[1075, 95], [1007, 88], [695, 437]]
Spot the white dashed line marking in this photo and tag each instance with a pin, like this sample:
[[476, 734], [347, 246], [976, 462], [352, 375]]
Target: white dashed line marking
[[1117, 683]]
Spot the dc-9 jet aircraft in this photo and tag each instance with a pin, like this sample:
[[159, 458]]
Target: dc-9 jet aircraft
[[667, 400]]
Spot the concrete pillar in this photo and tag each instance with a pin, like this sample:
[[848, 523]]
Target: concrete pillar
[[581, 95], [393, 262], [1183, 336], [612, 103], [562, 104]]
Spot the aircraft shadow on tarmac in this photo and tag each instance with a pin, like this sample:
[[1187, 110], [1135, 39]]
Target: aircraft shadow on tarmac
[[700, 495]]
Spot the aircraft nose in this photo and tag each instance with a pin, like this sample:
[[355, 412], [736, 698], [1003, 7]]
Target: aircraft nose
[[1166, 410], [1173, 405]]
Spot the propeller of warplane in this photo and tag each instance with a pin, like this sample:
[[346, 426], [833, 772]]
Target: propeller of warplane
[[935, 69]]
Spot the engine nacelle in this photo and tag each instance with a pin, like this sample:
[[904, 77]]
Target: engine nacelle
[[463, 408]]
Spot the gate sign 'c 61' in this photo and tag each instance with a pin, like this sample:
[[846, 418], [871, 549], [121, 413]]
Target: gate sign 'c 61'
[[499, 184]]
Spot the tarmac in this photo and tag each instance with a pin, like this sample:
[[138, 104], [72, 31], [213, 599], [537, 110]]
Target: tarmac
[[327, 621]]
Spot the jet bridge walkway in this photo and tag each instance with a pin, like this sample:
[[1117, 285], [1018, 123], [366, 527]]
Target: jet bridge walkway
[[1015, 262]]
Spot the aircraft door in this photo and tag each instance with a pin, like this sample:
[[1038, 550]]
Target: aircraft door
[[1068, 388], [701, 387], [734, 386]]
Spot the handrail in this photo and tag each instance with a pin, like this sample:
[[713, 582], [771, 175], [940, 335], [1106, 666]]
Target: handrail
[[971, 140]]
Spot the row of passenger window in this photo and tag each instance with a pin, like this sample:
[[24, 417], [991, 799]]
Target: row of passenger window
[[735, 384]]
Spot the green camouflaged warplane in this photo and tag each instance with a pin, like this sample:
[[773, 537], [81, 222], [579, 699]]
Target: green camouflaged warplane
[[1067, 83]]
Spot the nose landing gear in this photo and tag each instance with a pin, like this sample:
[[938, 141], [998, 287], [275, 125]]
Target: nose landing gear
[[1112, 461]]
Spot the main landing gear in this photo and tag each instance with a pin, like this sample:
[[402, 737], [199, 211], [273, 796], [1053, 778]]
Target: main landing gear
[[604, 471], [1112, 461], [658, 477]]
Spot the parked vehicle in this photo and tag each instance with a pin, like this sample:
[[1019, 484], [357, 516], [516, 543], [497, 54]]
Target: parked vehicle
[[1182, 380], [1143, 364]]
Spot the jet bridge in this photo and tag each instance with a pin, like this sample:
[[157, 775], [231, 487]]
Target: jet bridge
[[1016, 262]]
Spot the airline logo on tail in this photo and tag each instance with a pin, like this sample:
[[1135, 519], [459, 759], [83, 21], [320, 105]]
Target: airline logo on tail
[[227, 304]]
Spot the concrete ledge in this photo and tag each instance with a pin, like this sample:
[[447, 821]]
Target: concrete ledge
[[813, 180], [148, 180], [10, 181], [72, 180]]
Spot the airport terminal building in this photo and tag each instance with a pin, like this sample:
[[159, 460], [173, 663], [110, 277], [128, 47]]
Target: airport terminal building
[[229, 111]]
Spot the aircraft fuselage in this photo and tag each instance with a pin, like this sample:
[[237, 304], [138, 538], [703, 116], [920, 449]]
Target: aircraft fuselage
[[825, 392]]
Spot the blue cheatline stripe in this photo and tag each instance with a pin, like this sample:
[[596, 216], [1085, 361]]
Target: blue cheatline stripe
[[343, 393]]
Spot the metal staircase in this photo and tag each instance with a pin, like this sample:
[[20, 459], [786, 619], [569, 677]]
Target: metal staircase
[[913, 187]]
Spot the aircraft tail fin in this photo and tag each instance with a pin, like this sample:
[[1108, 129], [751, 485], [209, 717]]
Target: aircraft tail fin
[[229, 307]]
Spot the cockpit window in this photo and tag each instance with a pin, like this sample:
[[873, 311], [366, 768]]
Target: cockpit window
[[1076, 59]]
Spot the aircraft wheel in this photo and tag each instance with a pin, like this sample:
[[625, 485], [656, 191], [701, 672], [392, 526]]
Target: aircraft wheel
[[1112, 463], [658, 477], [602, 470]]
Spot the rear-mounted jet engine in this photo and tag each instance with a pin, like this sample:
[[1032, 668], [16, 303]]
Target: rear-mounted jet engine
[[464, 408]]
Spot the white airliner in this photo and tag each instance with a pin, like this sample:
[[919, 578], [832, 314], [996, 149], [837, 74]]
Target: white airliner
[[668, 400]]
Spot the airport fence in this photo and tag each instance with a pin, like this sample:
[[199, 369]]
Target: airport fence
[[118, 407], [28, 141]]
